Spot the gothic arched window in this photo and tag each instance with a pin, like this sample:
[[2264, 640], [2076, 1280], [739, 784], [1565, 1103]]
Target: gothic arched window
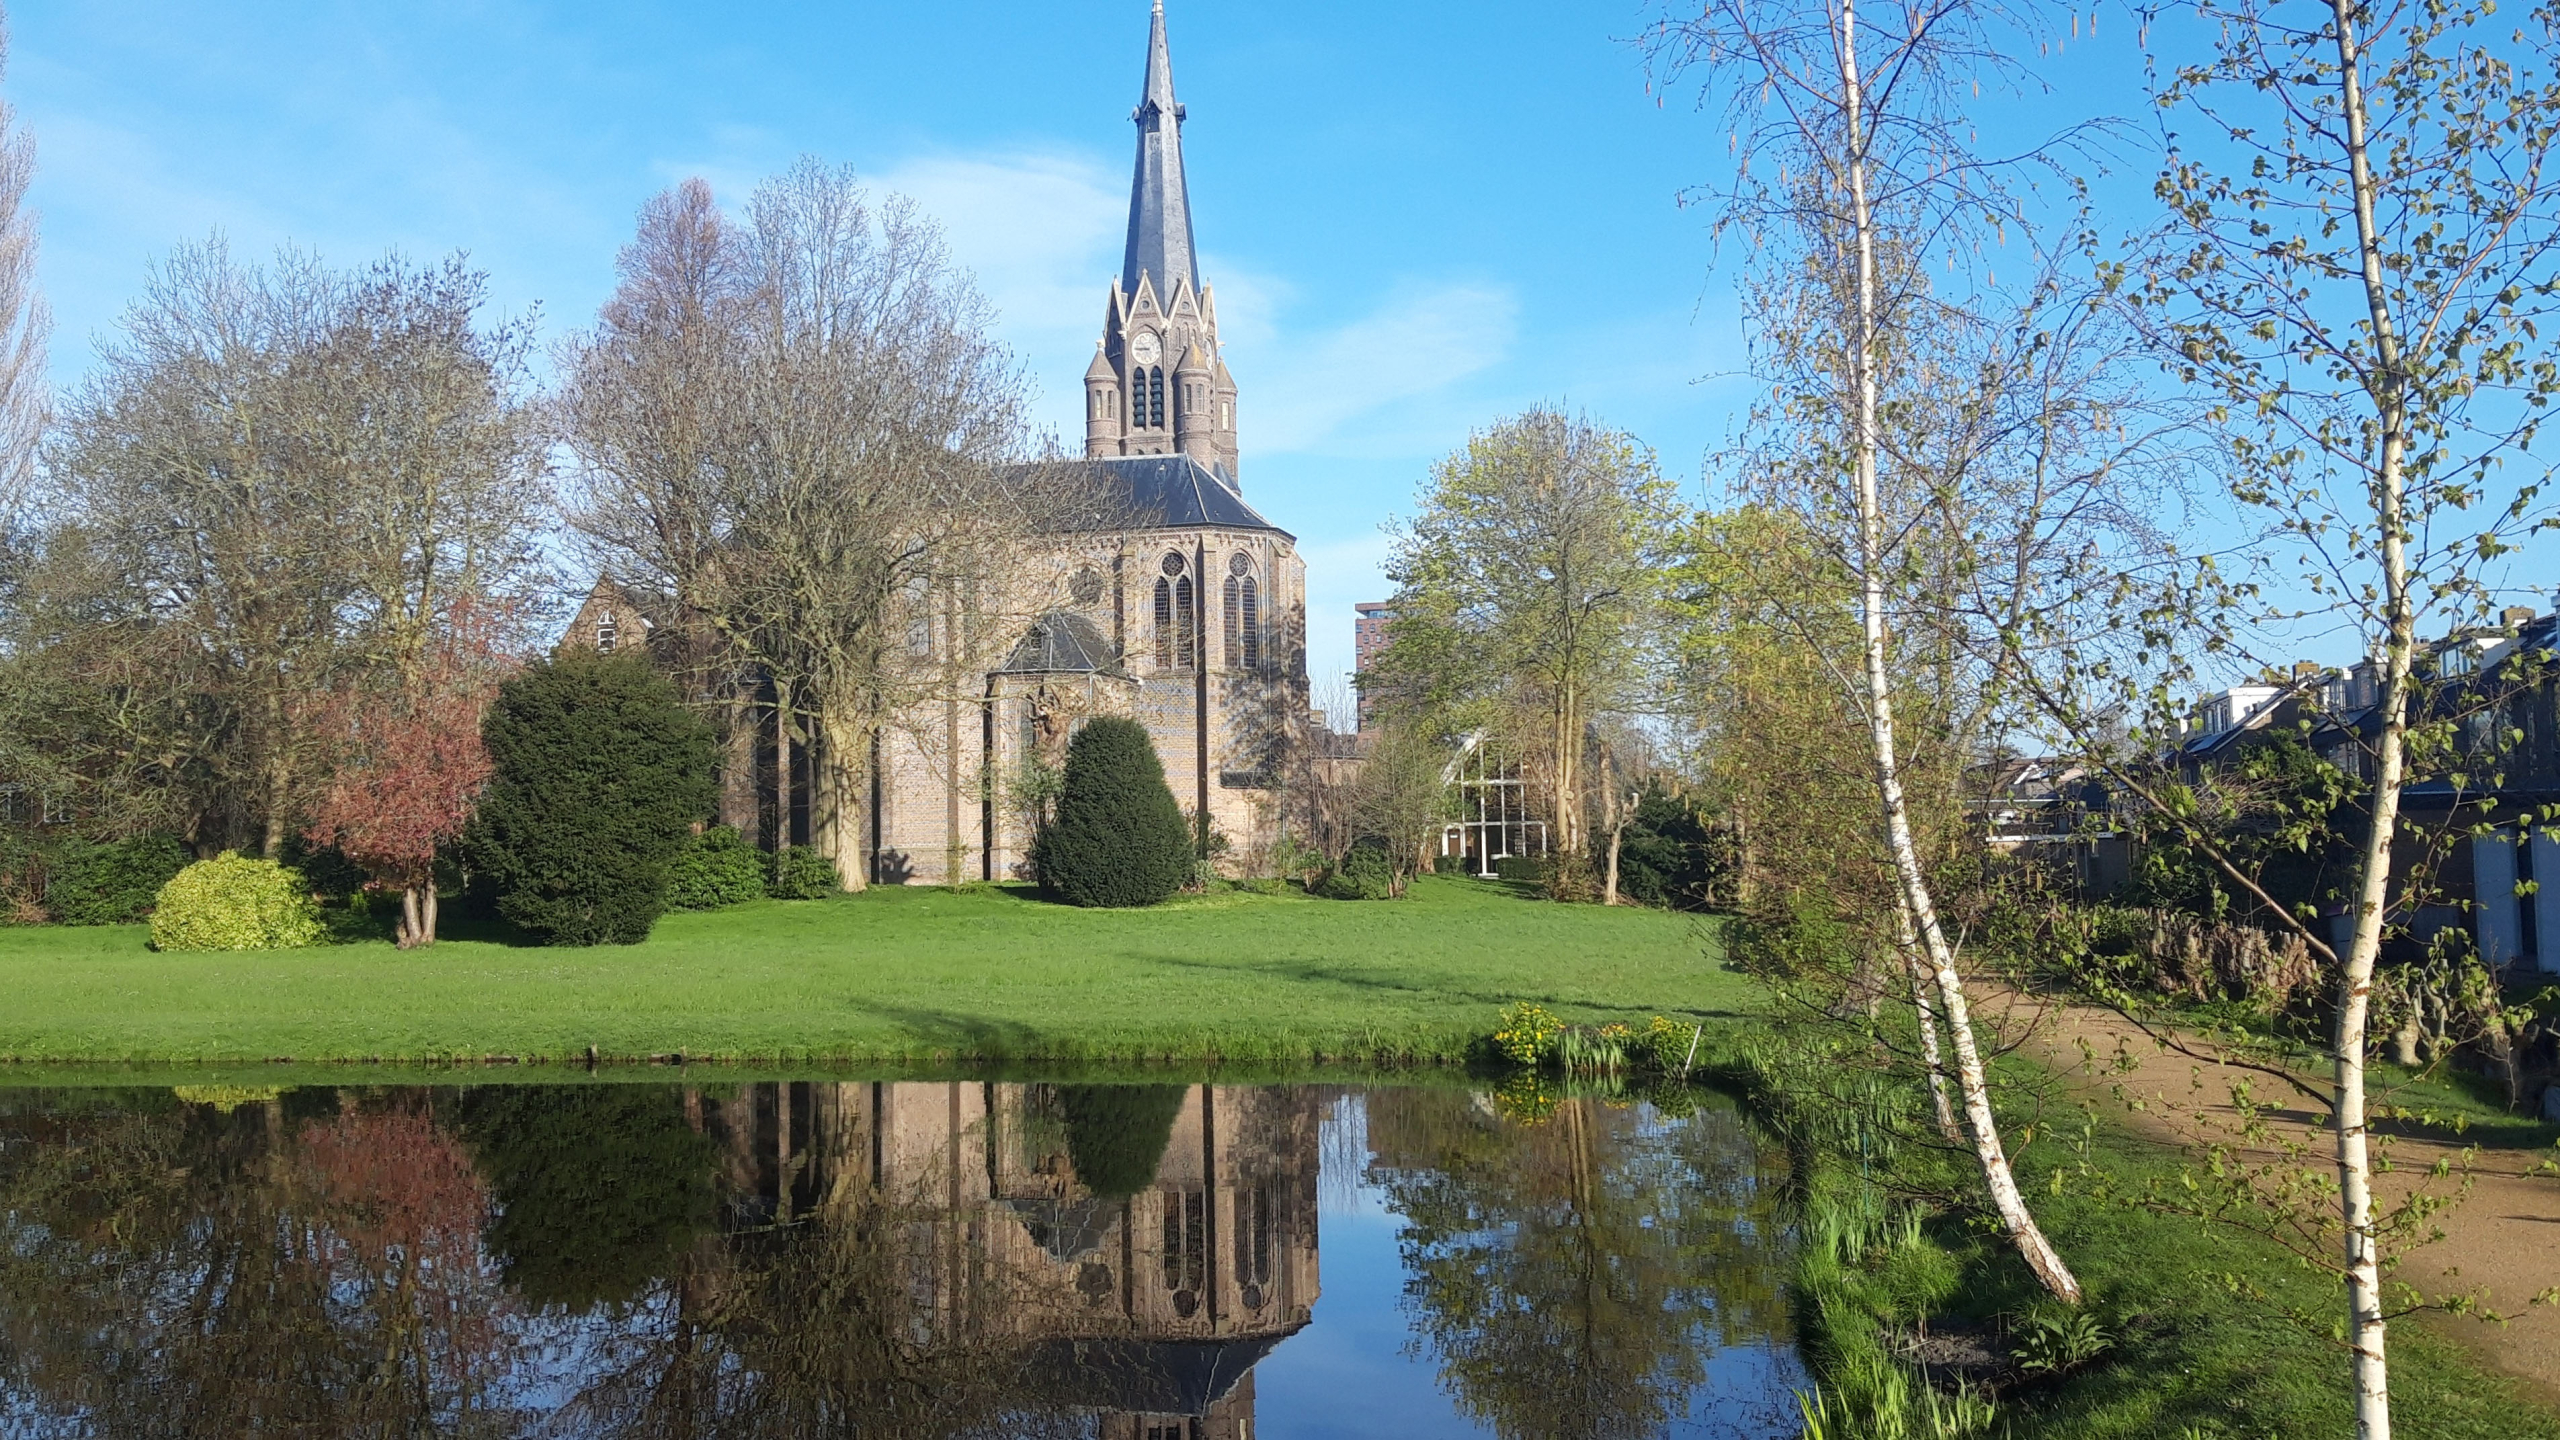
[[1251, 622], [1186, 624], [1244, 614], [1232, 616], [1164, 624]]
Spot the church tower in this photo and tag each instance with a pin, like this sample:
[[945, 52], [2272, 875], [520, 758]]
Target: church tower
[[1158, 385]]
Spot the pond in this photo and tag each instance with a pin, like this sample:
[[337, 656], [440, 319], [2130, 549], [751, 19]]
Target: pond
[[887, 1258]]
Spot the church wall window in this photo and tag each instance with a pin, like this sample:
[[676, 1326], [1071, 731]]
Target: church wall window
[[1232, 614], [1186, 623], [1164, 624], [1253, 623], [608, 633], [1155, 398]]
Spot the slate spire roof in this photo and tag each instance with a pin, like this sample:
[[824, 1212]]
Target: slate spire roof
[[1159, 202]]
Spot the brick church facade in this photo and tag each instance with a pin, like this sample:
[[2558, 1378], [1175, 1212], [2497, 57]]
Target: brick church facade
[[1184, 610]]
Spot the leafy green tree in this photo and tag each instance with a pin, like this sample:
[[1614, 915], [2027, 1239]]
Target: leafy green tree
[[1526, 588], [1119, 838], [599, 774]]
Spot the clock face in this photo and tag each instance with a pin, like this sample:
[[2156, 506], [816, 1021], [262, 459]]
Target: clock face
[[1144, 349]]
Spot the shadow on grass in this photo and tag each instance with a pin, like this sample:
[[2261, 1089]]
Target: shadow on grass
[[976, 1035]]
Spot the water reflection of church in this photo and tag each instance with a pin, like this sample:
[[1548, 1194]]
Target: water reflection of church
[[1150, 1309]]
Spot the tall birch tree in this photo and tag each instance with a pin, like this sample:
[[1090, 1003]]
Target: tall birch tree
[[2361, 262], [1855, 108]]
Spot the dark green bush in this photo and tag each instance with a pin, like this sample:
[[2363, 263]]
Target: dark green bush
[[716, 869], [1116, 1134], [111, 884], [599, 775], [799, 872], [1523, 869], [1453, 865], [1118, 838], [1666, 855], [1363, 873]]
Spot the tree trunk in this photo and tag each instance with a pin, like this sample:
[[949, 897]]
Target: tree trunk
[[427, 909], [1927, 1012], [781, 765], [2366, 1334], [1997, 1177], [409, 926], [1617, 829], [838, 781]]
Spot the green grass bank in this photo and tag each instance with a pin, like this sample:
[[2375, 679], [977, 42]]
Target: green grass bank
[[2198, 1335], [900, 975]]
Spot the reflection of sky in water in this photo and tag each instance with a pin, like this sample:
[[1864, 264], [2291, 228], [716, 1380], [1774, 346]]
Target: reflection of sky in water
[[1353, 1372], [1359, 1370]]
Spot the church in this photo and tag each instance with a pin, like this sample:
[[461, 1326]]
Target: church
[[1184, 609]]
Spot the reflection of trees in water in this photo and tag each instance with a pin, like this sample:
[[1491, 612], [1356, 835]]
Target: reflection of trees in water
[[1571, 1278], [600, 1187], [178, 1270], [821, 1330], [800, 1260]]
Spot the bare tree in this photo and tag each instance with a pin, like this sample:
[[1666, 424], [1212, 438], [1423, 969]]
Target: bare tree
[[799, 425], [275, 480], [24, 323]]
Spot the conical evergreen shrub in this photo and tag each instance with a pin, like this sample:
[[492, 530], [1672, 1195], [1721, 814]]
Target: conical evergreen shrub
[[599, 775], [1118, 838]]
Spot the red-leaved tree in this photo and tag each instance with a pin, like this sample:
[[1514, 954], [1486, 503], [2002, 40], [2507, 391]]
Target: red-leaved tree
[[412, 766]]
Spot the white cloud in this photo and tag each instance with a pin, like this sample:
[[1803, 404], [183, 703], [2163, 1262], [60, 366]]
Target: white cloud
[[1310, 389]]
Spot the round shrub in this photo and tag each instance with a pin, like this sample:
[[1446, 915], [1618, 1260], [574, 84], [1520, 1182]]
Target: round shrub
[[717, 869], [111, 884], [234, 903], [1118, 838], [799, 872], [1363, 873], [598, 775]]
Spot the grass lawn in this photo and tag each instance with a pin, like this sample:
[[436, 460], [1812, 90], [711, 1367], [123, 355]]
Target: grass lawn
[[2199, 1358], [894, 975]]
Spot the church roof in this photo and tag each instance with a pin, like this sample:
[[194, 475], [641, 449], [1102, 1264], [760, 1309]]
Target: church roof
[[1059, 643], [1155, 1377], [1159, 200], [1148, 492]]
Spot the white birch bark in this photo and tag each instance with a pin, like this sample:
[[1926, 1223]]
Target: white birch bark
[[1932, 1059], [1998, 1179], [2366, 1328]]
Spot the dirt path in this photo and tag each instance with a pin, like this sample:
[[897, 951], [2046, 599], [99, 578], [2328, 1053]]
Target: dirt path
[[2503, 1236]]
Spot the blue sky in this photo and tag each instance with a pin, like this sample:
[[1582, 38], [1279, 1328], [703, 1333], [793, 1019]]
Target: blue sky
[[1419, 217]]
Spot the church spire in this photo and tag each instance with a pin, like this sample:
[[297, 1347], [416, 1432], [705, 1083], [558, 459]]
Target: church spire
[[1159, 202]]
